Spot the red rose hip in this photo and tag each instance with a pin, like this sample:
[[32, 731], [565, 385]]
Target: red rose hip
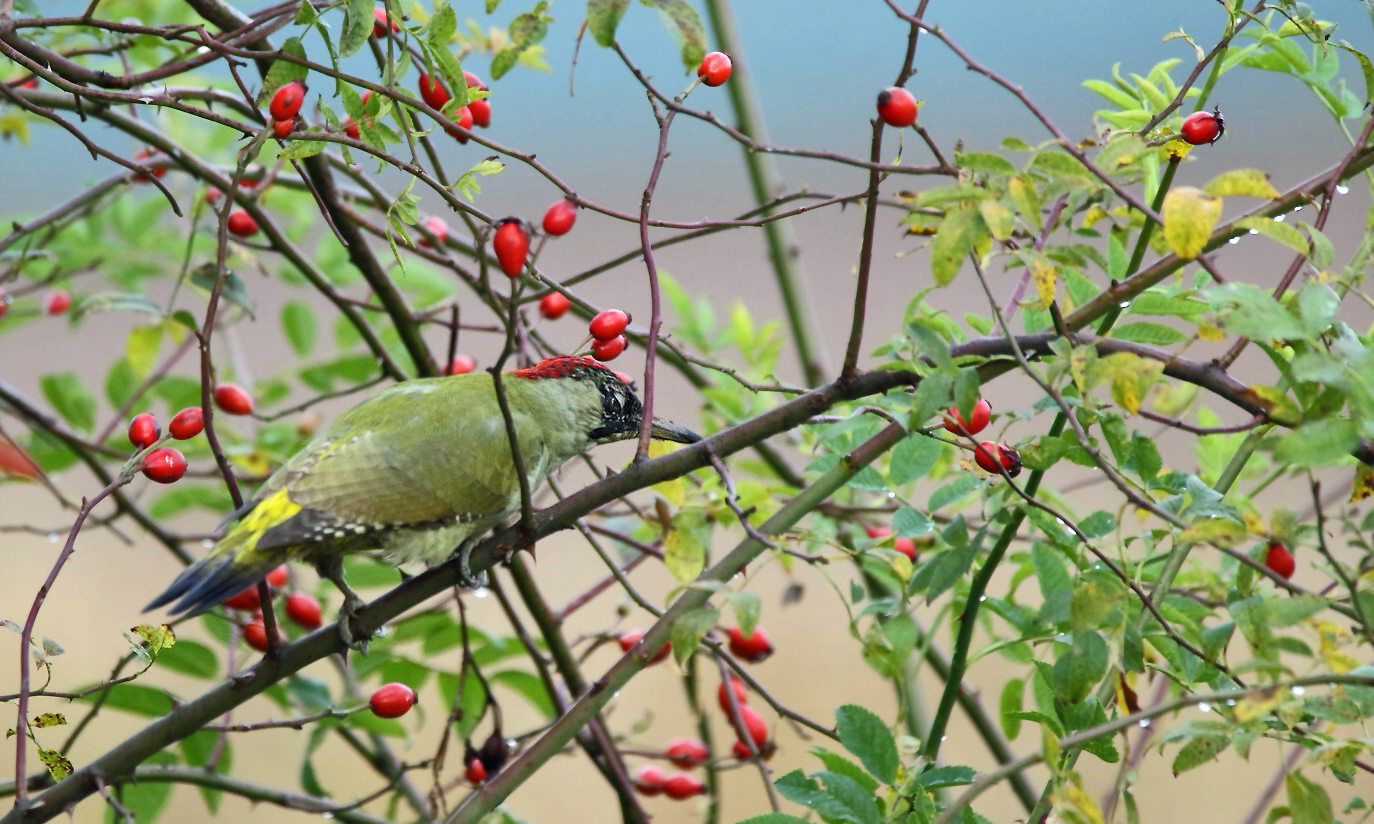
[[304, 610], [381, 18], [511, 243], [559, 219], [754, 724], [554, 305], [255, 634], [715, 69], [608, 350], [982, 414], [232, 399], [242, 224], [143, 430], [277, 578], [649, 780], [433, 92], [481, 112], [754, 648], [682, 786], [897, 107], [608, 324], [476, 772], [462, 364], [392, 700], [164, 465], [437, 227], [1280, 560], [723, 694], [58, 302], [1203, 127], [286, 103], [188, 423], [687, 752]]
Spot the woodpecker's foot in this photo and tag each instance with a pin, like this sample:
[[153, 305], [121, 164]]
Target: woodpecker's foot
[[352, 603], [467, 579]]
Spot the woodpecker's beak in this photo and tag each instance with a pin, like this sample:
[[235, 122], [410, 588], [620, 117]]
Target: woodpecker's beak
[[669, 431]]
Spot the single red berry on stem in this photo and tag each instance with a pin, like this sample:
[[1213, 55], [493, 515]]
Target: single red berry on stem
[[511, 243], [143, 430], [392, 700], [608, 350], [283, 128], [304, 610], [687, 752], [608, 324], [188, 423], [1280, 560], [897, 107], [277, 578], [232, 399], [682, 786], [158, 171], [723, 694], [462, 364], [559, 219], [58, 302], [649, 780], [554, 305], [481, 112], [164, 465], [242, 224], [1203, 127], [629, 638], [473, 81], [212, 195], [439, 228], [433, 91], [906, 546], [741, 751], [754, 648], [350, 128], [476, 772], [286, 103], [982, 414], [715, 69]]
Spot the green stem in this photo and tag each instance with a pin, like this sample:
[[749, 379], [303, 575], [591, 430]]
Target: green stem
[[782, 244]]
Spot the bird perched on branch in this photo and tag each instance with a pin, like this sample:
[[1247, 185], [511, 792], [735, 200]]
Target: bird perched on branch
[[420, 471]]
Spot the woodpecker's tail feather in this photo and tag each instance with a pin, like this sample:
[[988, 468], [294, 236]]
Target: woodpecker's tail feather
[[209, 581]]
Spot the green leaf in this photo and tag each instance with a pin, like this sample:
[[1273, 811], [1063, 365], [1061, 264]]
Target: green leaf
[[685, 26], [301, 149], [358, 20], [952, 776], [911, 523], [688, 630], [143, 799], [70, 398], [529, 686], [913, 459], [234, 290], [867, 737], [1056, 585], [283, 72], [190, 658], [774, 818], [1009, 704], [1156, 334], [1079, 669], [1317, 443], [1190, 215], [684, 554], [747, 606], [984, 162], [141, 348], [960, 233], [298, 322], [837, 763], [1199, 751], [137, 699], [1246, 309], [1307, 801]]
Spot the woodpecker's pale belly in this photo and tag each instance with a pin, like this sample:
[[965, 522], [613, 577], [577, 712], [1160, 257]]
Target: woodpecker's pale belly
[[431, 546]]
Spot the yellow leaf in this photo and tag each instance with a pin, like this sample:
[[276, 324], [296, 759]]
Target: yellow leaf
[[1095, 214], [1243, 182], [1210, 332], [999, 218], [1044, 273], [1258, 704], [1190, 215]]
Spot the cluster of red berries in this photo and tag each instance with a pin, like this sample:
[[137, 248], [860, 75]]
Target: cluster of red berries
[[989, 455], [302, 609], [511, 241], [165, 464], [285, 107], [630, 637], [608, 339]]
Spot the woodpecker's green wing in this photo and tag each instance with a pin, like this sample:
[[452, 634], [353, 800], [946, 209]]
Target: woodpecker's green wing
[[421, 455]]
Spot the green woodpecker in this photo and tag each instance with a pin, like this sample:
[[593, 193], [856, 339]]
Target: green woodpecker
[[419, 471]]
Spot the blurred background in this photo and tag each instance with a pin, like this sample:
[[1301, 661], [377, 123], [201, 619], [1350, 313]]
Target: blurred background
[[816, 68]]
